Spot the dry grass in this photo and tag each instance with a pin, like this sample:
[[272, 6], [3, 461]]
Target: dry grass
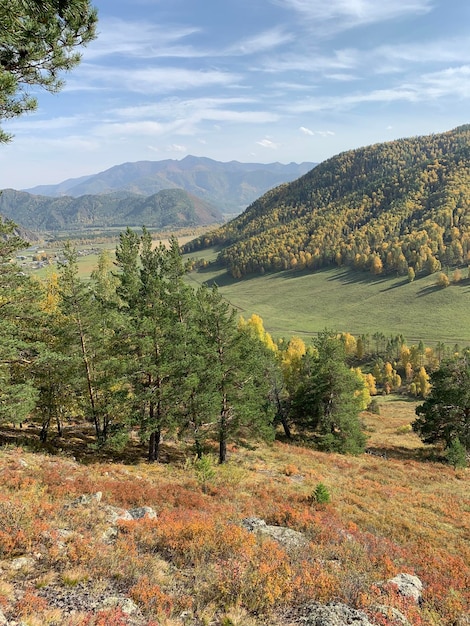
[[195, 564]]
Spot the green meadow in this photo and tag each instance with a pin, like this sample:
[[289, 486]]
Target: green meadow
[[304, 303]]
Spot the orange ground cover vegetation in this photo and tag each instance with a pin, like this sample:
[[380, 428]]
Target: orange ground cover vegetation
[[399, 512]]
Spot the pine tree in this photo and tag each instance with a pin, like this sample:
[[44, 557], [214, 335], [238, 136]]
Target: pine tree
[[445, 414], [156, 305], [236, 363], [327, 402], [19, 321], [89, 337]]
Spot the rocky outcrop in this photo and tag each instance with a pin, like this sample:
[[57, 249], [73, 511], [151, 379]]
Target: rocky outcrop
[[285, 536], [408, 586], [333, 614]]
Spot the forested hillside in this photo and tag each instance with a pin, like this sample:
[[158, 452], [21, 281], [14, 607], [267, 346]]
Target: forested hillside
[[168, 208], [401, 207]]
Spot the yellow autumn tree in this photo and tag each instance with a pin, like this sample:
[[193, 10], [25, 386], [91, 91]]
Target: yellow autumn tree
[[256, 325], [421, 382]]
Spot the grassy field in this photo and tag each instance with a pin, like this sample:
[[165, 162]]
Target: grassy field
[[304, 303]]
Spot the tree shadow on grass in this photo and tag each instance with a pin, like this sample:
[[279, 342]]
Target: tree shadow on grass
[[427, 291], [79, 443]]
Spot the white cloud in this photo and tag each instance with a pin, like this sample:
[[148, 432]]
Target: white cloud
[[312, 133], [337, 15], [176, 148], [148, 80], [267, 143], [449, 83], [260, 43], [140, 40]]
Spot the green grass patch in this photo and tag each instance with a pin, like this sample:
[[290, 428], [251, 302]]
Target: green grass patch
[[304, 303]]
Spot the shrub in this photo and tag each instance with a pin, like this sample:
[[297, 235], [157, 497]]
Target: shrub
[[321, 495], [456, 454], [205, 471]]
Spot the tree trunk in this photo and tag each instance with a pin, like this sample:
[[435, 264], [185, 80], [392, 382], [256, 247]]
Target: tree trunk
[[154, 445], [223, 431], [44, 430], [285, 426], [151, 450]]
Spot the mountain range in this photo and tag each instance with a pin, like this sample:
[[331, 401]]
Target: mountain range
[[396, 207], [160, 194], [231, 187]]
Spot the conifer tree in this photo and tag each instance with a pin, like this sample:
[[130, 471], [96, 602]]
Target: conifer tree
[[157, 306], [236, 362], [328, 399], [19, 321], [88, 337], [444, 416], [38, 41]]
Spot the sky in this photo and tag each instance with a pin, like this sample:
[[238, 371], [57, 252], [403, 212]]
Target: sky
[[247, 80]]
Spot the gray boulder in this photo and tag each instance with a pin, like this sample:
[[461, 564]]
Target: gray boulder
[[334, 614], [408, 586], [285, 536]]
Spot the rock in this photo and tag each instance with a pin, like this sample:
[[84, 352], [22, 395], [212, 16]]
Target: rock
[[22, 562], [3, 619], [391, 613], [86, 499], [253, 523], [110, 535], [334, 614], [285, 536], [115, 514], [125, 604], [143, 511], [408, 586]]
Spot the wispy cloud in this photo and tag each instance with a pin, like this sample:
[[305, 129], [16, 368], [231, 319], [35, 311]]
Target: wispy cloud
[[267, 143], [262, 42], [450, 83], [337, 15], [140, 40], [312, 133], [149, 80]]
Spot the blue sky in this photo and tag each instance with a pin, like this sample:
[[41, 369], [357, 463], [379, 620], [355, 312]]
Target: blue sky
[[250, 80]]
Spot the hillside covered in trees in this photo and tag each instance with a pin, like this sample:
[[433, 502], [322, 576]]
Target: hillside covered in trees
[[167, 208], [401, 207]]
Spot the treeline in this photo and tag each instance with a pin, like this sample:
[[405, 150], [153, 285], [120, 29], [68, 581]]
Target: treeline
[[136, 349], [400, 207]]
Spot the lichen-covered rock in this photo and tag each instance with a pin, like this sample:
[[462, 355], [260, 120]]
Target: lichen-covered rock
[[408, 586], [285, 536], [391, 613], [334, 614], [143, 511], [125, 604]]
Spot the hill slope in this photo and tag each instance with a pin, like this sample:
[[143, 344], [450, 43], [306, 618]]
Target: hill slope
[[68, 542], [230, 186], [167, 208], [385, 207]]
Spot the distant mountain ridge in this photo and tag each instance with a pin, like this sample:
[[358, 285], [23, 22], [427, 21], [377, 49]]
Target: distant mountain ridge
[[401, 206], [230, 186], [170, 208]]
